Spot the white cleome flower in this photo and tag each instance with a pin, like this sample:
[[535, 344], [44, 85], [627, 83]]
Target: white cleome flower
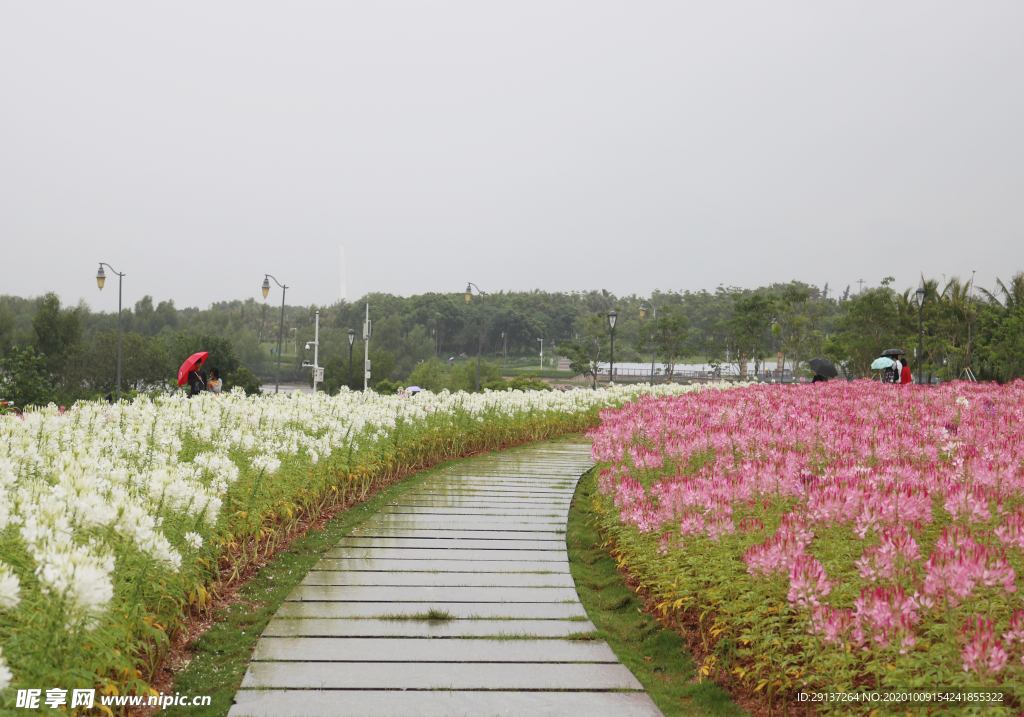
[[5, 672], [194, 540], [10, 588]]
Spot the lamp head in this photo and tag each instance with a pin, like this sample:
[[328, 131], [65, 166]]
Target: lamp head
[[266, 286], [643, 311], [612, 317], [100, 278], [469, 292], [920, 294], [351, 336]]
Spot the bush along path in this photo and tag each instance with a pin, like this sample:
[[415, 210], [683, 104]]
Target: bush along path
[[656, 655], [456, 598]]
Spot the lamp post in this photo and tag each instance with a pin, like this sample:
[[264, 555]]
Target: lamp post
[[280, 333], [100, 280], [654, 349], [541, 354], [433, 335], [612, 317], [483, 327], [351, 340], [504, 350], [920, 336], [295, 341]]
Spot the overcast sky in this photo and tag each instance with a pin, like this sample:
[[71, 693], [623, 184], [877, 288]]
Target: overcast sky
[[518, 145]]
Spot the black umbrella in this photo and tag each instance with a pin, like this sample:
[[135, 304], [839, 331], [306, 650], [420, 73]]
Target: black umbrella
[[894, 352], [823, 367]]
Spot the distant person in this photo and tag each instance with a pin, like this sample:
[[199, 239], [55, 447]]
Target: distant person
[[818, 377], [196, 382], [215, 384], [451, 361], [897, 370], [905, 376]]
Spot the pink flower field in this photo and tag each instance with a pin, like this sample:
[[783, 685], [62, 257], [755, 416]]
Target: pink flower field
[[836, 537]]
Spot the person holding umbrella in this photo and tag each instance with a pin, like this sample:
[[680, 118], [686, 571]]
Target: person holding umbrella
[[196, 382], [189, 373], [895, 373], [823, 369]]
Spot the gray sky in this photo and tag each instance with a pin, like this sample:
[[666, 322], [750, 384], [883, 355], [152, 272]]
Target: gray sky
[[553, 145]]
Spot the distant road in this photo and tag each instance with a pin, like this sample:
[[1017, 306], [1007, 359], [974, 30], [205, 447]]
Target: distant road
[[268, 387]]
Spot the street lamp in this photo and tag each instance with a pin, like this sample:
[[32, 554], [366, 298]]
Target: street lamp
[[612, 317], [504, 350], [280, 333], [483, 327], [654, 349], [100, 280], [541, 354], [351, 340], [920, 336]]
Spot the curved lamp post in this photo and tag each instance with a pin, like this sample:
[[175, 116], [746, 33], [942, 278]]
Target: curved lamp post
[[920, 337], [100, 280], [351, 341], [480, 346], [280, 333], [612, 317], [654, 351]]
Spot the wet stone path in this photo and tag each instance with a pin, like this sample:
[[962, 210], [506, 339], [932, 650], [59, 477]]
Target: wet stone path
[[456, 599]]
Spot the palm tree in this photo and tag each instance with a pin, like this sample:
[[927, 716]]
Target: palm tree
[[1013, 295]]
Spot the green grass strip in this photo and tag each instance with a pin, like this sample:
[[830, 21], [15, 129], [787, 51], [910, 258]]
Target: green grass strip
[[657, 656]]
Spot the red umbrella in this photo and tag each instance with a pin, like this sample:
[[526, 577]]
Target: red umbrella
[[191, 363]]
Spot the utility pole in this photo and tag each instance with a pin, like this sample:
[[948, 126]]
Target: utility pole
[[367, 330], [860, 286], [318, 373], [280, 330]]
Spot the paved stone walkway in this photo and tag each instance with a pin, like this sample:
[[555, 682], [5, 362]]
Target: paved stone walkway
[[453, 600]]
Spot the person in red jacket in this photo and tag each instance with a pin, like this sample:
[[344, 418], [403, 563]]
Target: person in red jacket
[[905, 375]]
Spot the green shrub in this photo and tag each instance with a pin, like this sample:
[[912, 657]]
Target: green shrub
[[430, 376], [528, 380], [23, 379], [244, 379], [387, 387]]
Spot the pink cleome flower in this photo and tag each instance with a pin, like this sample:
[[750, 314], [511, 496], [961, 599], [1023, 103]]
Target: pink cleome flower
[[982, 653]]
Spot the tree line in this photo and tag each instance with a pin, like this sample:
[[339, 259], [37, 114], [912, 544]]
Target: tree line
[[69, 352]]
